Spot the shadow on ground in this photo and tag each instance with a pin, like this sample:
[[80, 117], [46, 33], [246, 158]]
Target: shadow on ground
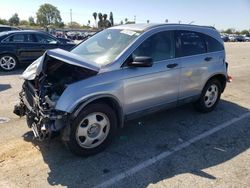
[[4, 87], [147, 137], [19, 70]]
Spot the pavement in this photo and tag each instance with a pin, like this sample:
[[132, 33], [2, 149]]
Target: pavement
[[174, 148]]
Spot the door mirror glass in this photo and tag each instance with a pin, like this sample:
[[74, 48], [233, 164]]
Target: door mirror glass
[[141, 61]]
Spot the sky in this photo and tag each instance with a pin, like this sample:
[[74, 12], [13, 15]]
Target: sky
[[222, 14]]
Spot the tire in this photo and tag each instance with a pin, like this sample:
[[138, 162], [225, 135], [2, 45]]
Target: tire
[[95, 119], [8, 62], [210, 97]]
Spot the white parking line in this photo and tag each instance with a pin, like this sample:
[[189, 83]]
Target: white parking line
[[165, 154]]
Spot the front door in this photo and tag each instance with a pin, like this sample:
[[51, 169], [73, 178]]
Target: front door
[[148, 87]]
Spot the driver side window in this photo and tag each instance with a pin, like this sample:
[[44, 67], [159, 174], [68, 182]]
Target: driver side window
[[159, 47]]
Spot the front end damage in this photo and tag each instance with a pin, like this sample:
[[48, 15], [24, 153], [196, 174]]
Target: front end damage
[[44, 82]]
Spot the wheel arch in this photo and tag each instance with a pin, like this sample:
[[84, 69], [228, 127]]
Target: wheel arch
[[221, 78], [110, 100]]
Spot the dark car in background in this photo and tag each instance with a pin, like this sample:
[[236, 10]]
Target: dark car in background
[[7, 28], [25, 46]]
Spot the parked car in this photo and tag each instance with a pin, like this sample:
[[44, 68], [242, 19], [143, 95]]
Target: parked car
[[119, 74], [247, 38], [236, 38], [225, 38], [22, 46], [240, 38], [8, 28]]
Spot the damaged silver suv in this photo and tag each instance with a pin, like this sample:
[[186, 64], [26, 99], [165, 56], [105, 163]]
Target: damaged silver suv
[[118, 74]]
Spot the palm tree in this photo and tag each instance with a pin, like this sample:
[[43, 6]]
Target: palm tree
[[126, 20], [105, 16], [88, 22], [147, 21], [166, 20], [95, 16]]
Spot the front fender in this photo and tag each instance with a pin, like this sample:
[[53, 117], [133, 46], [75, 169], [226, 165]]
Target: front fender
[[76, 94]]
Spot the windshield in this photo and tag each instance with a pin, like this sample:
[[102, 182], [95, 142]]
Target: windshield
[[105, 46]]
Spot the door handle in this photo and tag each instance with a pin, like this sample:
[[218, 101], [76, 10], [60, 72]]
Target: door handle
[[208, 58], [173, 65]]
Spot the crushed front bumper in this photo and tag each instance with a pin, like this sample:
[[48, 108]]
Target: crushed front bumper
[[44, 120]]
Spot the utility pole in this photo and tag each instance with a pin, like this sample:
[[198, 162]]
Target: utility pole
[[70, 17]]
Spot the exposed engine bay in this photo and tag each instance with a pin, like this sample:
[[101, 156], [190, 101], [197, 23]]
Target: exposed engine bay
[[39, 96]]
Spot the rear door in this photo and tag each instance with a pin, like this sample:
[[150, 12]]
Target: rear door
[[25, 45], [194, 62]]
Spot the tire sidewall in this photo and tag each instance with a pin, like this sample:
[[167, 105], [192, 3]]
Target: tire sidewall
[[103, 108], [200, 105]]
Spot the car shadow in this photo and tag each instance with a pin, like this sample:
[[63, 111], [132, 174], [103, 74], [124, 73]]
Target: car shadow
[[147, 137], [14, 72], [4, 87]]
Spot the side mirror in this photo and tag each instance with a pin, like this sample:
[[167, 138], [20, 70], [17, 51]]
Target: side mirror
[[142, 61]]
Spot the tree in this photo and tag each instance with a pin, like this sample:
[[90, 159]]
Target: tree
[[126, 20], [245, 32], [147, 21], [24, 22], [88, 22], [14, 20], [100, 22], [111, 18], [4, 22], [229, 31], [32, 21], [95, 16], [166, 20], [74, 25], [48, 14], [121, 23]]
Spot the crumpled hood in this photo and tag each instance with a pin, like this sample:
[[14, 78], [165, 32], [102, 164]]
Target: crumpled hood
[[35, 68]]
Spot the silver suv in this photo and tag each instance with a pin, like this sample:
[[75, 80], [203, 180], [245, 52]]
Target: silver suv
[[121, 73]]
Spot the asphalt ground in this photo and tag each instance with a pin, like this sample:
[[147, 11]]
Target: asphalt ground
[[174, 148]]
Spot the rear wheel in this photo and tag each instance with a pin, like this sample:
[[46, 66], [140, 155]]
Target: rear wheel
[[92, 130], [8, 62], [210, 96]]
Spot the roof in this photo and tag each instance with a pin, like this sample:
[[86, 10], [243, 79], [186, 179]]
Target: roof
[[22, 31], [144, 27]]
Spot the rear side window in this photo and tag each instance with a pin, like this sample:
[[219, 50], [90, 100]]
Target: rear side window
[[213, 45], [192, 43]]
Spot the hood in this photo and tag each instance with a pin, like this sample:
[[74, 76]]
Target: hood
[[36, 67]]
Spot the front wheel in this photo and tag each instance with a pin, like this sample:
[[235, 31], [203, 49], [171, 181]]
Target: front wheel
[[92, 130], [210, 96]]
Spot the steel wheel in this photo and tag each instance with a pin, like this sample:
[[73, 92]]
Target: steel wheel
[[8, 62], [92, 130], [211, 95]]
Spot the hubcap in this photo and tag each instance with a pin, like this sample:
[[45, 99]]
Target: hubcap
[[7, 62], [211, 95], [93, 130]]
